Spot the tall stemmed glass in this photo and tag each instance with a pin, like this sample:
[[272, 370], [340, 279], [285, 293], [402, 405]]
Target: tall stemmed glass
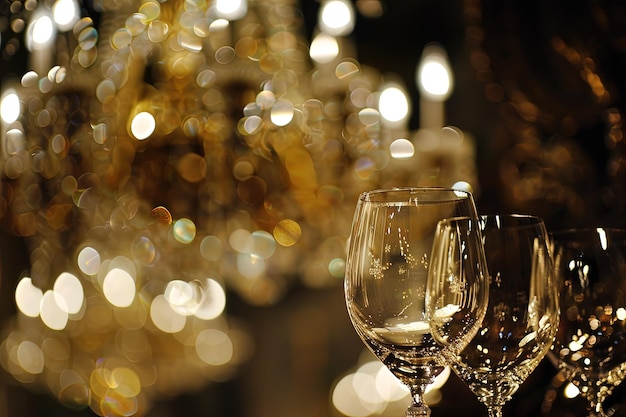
[[523, 314], [591, 343], [410, 317]]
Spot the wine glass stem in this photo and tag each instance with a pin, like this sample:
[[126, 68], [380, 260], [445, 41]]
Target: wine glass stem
[[495, 411], [418, 407]]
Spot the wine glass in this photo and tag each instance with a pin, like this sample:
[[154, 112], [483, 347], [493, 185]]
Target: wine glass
[[590, 348], [409, 316], [523, 313]]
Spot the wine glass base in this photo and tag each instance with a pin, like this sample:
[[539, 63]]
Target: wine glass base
[[417, 411]]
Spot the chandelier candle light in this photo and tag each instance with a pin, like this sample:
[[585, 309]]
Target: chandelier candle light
[[435, 82]]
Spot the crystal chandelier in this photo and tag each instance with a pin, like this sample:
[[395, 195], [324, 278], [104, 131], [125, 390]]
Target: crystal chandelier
[[162, 153]]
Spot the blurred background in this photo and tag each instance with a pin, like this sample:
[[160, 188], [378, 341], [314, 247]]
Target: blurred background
[[179, 177]]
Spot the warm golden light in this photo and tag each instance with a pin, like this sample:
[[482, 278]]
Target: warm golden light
[[30, 357], [119, 287], [346, 401], [287, 232], [214, 347], [282, 113], [434, 77], [184, 230], [41, 31], [571, 391], [324, 48], [69, 292], [65, 14], [88, 260], [28, 297], [369, 116], [165, 317], [576, 345], [402, 148], [603, 238], [336, 17], [213, 301], [372, 389], [54, 311], [182, 297], [250, 266], [388, 386], [263, 244], [463, 186], [10, 106], [143, 125], [231, 9], [393, 104]]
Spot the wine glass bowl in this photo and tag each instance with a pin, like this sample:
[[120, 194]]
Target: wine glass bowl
[[523, 313], [409, 314], [591, 343]]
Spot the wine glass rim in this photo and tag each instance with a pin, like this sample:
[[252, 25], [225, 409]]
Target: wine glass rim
[[372, 194], [511, 215], [586, 230], [528, 219], [502, 219]]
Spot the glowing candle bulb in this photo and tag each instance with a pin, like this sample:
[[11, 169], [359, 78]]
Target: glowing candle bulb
[[10, 107], [393, 105], [434, 80], [65, 13], [231, 9], [336, 18], [40, 37]]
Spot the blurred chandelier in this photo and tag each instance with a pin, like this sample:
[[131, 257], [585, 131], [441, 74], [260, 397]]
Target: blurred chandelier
[[161, 152]]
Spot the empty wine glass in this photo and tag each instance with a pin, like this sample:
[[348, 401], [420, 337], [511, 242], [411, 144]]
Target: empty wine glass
[[523, 313], [591, 343], [409, 316]]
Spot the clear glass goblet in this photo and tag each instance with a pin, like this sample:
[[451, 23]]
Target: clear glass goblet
[[412, 316], [523, 314], [591, 343]]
